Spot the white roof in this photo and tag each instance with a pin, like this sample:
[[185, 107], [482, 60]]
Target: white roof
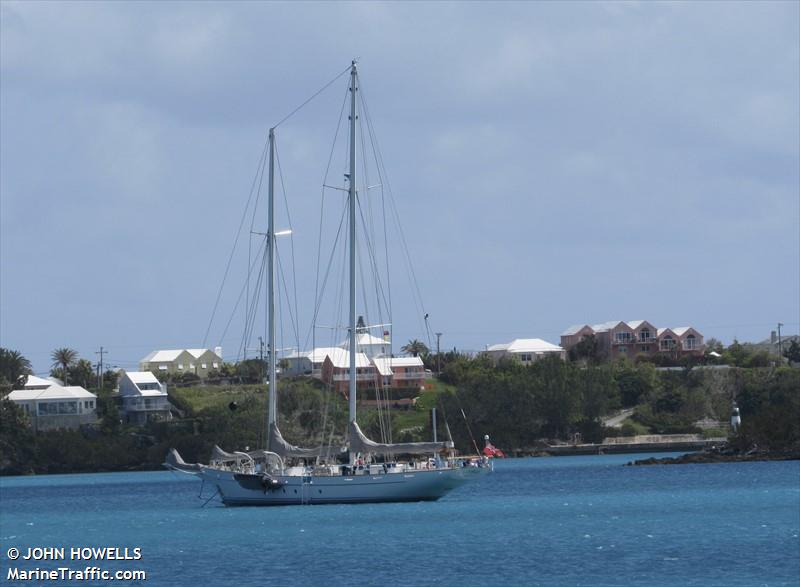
[[162, 356], [384, 364], [364, 339], [605, 326], [168, 356], [52, 392], [141, 377], [635, 323], [533, 345], [341, 358], [318, 354], [681, 330], [574, 329], [41, 382], [498, 347], [661, 331]]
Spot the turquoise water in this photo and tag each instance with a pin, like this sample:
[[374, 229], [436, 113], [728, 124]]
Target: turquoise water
[[558, 521]]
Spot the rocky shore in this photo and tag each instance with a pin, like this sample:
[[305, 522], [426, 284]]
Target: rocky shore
[[724, 454]]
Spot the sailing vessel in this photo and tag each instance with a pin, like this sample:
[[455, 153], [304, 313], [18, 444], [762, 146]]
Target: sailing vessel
[[281, 474]]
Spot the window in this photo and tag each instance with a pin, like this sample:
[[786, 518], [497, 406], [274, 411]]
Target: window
[[644, 334], [525, 357], [48, 408], [180, 366], [645, 348], [690, 343], [203, 366], [215, 365], [191, 365], [622, 337], [623, 349], [162, 367], [667, 343]]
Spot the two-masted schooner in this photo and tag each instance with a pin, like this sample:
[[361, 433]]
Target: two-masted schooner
[[285, 474]]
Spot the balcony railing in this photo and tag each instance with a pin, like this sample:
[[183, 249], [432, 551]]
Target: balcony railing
[[413, 375], [359, 377]]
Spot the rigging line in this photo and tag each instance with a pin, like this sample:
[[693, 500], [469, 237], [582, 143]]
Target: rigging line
[[379, 290], [250, 325], [252, 225], [380, 170], [291, 242], [369, 227], [262, 161], [374, 268], [250, 315], [385, 180], [327, 272], [292, 319], [236, 306], [317, 93], [312, 332]]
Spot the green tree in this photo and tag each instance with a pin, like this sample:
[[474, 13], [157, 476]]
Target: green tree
[[415, 348], [587, 349], [16, 440], [13, 366], [63, 359], [82, 373], [792, 352]]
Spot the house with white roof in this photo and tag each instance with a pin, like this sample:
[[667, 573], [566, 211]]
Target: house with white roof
[[308, 362], [400, 371], [524, 350], [619, 338], [370, 345], [143, 398], [201, 362], [54, 406], [336, 370]]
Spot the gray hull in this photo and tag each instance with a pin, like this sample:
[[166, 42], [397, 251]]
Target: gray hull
[[240, 490]]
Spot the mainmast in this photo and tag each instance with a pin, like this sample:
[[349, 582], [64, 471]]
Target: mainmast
[[272, 379], [352, 205]]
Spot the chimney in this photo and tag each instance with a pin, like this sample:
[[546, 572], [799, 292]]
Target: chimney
[[773, 337], [218, 350]]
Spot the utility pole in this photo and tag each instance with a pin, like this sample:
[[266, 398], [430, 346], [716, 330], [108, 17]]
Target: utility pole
[[780, 344], [100, 371], [438, 355]]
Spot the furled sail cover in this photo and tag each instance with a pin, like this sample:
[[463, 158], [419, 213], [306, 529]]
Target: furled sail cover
[[218, 455], [278, 445], [360, 443]]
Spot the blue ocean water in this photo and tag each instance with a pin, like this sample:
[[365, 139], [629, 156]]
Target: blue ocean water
[[548, 521]]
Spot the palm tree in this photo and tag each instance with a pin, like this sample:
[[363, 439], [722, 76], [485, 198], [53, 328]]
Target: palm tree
[[12, 366], [64, 358], [415, 348]]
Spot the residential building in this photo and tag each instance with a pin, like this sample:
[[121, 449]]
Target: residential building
[[773, 345], [336, 370], [370, 345], [400, 371], [201, 362], [53, 406], [618, 338], [143, 398], [524, 350], [308, 362]]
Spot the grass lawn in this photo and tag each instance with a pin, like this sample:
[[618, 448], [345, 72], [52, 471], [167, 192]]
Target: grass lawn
[[213, 397]]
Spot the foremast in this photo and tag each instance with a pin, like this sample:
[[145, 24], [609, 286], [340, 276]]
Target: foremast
[[352, 194], [271, 373]]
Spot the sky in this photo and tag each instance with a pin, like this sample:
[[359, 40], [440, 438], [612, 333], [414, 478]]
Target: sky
[[552, 163]]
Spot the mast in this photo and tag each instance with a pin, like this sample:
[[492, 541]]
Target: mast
[[272, 380], [352, 205]]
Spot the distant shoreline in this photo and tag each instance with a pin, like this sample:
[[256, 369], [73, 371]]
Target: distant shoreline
[[722, 457]]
